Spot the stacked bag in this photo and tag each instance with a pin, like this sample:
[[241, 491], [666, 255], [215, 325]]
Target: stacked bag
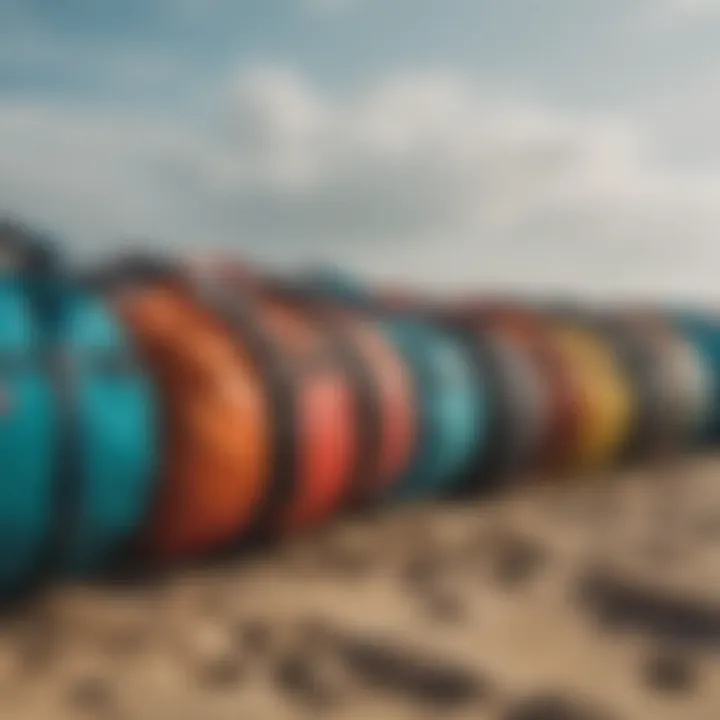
[[158, 410]]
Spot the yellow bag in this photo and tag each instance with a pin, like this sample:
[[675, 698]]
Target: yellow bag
[[605, 396]]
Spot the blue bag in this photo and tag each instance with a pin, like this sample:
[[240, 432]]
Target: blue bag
[[78, 430]]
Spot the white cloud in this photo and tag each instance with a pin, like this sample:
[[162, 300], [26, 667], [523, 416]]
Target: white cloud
[[421, 174]]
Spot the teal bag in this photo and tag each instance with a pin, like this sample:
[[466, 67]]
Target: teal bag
[[451, 404], [703, 333], [78, 427]]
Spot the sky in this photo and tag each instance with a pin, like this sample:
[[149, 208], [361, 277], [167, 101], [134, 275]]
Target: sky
[[570, 145]]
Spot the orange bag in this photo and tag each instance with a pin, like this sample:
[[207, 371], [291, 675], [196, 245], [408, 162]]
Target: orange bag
[[217, 435], [324, 420]]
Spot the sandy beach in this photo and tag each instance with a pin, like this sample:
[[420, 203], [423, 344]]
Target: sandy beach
[[578, 600]]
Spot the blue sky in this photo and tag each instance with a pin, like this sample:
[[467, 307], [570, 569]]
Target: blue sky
[[564, 143]]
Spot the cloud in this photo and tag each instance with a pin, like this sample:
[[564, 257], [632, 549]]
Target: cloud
[[420, 175]]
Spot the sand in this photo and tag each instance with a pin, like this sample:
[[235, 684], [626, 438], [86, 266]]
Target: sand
[[590, 598]]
